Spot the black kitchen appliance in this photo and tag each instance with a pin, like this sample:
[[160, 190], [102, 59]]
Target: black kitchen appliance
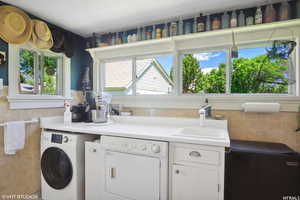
[[79, 113], [260, 171]]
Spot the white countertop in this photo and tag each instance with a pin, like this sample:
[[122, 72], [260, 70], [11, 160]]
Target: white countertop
[[152, 128]]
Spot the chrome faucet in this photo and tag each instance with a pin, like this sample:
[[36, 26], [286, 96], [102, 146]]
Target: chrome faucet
[[204, 112]]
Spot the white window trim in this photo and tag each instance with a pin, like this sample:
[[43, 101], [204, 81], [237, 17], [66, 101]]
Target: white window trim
[[29, 101], [206, 40]]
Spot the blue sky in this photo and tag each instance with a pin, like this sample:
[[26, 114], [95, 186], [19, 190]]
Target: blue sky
[[212, 59]]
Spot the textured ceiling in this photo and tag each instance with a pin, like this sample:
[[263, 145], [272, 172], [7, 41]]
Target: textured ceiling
[[86, 16]]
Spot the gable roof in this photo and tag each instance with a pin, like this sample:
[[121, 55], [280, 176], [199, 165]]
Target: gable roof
[[118, 75]]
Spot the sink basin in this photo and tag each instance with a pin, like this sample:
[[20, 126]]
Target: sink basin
[[202, 132]]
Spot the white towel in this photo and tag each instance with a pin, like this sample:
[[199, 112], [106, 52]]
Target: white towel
[[14, 137]]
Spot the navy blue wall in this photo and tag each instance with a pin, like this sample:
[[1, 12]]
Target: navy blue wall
[[79, 61]]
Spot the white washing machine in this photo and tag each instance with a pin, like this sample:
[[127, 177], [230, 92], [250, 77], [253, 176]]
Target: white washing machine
[[62, 165], [120, 168]]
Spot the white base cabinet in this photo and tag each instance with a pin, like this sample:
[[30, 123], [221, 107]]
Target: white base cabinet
[[196, 172]]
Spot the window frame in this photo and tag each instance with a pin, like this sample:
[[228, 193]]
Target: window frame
[[18, 100], [206, 40], [134, 78]]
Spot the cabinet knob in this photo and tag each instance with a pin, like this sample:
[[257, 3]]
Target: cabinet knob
[[177, 171]]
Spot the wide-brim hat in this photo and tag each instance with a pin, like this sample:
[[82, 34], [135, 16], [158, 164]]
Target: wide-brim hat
[[63, 42], [15, 25], [41, 35]]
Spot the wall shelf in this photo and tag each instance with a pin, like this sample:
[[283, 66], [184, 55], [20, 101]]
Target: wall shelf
[[200, 35]]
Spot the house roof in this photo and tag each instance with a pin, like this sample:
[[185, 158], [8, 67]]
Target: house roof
[[118, 75]]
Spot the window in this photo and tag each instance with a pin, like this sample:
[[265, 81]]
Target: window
[[39, 74], [154, 75], [255, 72], [118, 77], [37, 78], [204, 72], [140, 76]]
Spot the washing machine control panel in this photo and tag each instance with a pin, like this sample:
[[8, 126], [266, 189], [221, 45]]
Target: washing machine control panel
[[135, 146], [57, 138]]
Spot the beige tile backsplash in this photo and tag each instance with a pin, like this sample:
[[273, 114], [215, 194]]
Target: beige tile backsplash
[[273, 127], [20, 173]]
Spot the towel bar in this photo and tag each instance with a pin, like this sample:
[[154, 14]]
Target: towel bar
[[26, 122]]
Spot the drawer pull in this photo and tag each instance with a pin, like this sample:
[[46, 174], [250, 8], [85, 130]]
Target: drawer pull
[[177, 171], [112, 172], [195, 154]]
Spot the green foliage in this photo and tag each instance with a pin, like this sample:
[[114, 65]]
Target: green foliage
[[191, 74], [26, 67], [259, 75], [49, 73], [253, 75]]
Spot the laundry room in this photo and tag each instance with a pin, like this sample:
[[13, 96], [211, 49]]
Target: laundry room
[[148, 100]]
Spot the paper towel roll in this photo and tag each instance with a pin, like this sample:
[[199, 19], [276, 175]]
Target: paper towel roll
[[261, 107]]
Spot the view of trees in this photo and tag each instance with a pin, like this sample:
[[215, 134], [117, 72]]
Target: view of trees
[[249, 75], [27, 73]]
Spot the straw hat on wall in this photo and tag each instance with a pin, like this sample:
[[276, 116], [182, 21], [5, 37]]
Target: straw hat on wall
[[41, 35], [15, 25]]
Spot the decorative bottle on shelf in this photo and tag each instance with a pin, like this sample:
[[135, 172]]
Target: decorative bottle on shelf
[[180, 26], [187, 28], [113, 39], [153, 32], [298, 9], [124, 37], [118, 37], [249, 20], [241, 18], [208, 23], [139, 34], [270, 14], [165, 31], [148, 34], [233, 20], [201, 24], [285, 11], [94, 40], [158, 33], [195, 25], [173, 29], [216, 24], [258, 16], [144, 36], [225, 20]]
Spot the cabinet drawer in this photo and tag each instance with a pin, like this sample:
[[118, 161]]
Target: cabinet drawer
[[196, 155]]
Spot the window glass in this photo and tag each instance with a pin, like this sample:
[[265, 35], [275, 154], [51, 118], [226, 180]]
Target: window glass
[[27, 72], [118, 77], [204, 72], [50, 75], [254, 72], [154, 75], [40, 74]]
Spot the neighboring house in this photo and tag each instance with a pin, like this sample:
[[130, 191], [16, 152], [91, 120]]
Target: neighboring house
[[150, 76]]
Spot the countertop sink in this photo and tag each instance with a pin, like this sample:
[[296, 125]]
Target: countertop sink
[[202, 132]]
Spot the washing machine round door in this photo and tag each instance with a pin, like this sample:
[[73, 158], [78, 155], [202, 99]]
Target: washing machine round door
[[56, 168]]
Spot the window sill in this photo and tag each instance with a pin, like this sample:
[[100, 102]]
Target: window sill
[[32, 102], [218, 102]]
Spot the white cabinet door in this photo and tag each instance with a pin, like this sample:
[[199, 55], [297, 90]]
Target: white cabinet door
[[132, 177], [194, 183]]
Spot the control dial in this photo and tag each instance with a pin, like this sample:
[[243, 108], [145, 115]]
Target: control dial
[[155, 148], [66, 139]]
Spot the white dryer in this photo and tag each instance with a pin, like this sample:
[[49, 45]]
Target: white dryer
[[120, 168], [62, 165]]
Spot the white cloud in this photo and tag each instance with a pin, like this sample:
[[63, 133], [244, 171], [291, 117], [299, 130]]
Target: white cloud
[[205, 56]]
